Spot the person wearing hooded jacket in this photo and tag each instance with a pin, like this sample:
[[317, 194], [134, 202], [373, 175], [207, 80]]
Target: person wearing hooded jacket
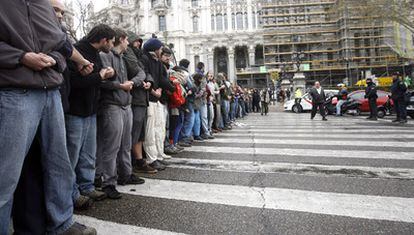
[[371, 95], [140, 101]]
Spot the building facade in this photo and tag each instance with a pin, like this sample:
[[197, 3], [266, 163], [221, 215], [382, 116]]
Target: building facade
[[332, 41], [224, 34]]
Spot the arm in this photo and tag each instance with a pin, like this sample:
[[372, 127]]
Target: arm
[[113, 83], [79, 81], [9, 56]]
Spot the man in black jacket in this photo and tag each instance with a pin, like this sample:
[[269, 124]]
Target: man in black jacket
[[371, 95], [398, 90], [140, 99], [81, 117], [318, 100]]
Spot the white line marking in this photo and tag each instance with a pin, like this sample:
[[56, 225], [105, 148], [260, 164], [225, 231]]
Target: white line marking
[[352, 205], [320, 135], [298, 168], [110, 228], [306, 152], [316, 141], [322, 130]]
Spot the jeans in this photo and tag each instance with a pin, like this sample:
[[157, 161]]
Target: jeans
[[226, 110], [178, 127], [204, 119], [188, 122], [338, 107], [21, 113], [233, 109], [81, 142], [197, 123]]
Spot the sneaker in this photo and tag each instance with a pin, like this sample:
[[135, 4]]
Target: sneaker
[[79, 229], [198, 139], [111, 192], [169, 150], [133, 180], [165, 156], [184, 144], [157, 165], [144, 169], [95, 195], [204, 136], [403, 121], [324, 119], [211, 137], [179, 147], [163, 162], [177, 150], [83, 203], [396, 120]]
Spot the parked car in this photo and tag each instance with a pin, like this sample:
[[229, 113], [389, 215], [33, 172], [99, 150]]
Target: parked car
[[305, 103], [381, 101]]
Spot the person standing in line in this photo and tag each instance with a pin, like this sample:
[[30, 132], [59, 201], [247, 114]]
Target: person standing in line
[[298, 96], [211, 100], [30, 76], [398, 90], [154, 129], [115, 121], [318, 101], [139, 105], [371, 95], [265, 100]]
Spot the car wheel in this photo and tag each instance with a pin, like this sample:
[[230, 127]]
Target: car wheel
[[381, 113], [327, 112], [297, 108]]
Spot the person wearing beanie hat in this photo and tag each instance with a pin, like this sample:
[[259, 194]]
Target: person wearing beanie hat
[[153, 45]]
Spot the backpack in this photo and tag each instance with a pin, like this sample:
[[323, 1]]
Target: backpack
[[176, 98]]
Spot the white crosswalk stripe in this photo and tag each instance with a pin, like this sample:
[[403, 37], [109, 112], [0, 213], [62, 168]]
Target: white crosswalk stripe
[[314, 155]]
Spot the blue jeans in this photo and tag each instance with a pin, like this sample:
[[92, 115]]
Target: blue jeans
[[204, 119], [180, 122], [81, 142], [226, 111], [22, 112], [188, 122], [197, 123]]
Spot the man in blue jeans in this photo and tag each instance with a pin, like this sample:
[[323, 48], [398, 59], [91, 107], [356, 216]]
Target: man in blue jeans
[[30, 74], [189, 117]]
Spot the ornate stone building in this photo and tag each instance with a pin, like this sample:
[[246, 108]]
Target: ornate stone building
[[224, 34]]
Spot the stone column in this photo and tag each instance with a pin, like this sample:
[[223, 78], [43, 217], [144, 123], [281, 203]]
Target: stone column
[[231, 66], [252, 54]]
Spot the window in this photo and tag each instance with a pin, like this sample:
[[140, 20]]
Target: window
[[213, 23], [196, 61], [219, 22], [162, 24], [226, 22], [239, 20], [246, 21], [233, 21], [253, 20], [153, 3], [194, 3], [195, 24]]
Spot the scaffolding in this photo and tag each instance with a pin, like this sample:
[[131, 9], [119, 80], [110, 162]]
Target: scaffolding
[[337, 39]]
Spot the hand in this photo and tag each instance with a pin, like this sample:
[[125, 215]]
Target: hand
[[176, 82], [190, 92], [110, 72], [127, 86], [86, 69], [146, 85], [157, 93], [36, 61]]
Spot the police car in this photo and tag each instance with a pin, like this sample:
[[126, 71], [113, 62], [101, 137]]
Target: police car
[[305, 103]]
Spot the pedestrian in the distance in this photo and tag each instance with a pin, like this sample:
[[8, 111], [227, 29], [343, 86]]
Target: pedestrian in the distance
[[318, 100], [398, 90], [371, 95], [298, 96], [265, 100], [342, 97]]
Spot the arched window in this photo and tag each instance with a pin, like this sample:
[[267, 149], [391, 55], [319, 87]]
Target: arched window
[[162, 24], [153, 2], [253, 19], [194, 3], [246, 21], [226, 22], [195, 24], [239, 20], [219, 22], [213, 23], [233, 21]]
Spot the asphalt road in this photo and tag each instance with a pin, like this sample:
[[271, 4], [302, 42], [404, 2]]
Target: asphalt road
[[276, 174]]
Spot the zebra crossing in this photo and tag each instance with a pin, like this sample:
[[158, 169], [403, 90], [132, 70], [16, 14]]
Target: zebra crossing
[[276, 174]]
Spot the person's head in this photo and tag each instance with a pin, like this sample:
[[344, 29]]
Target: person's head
[[369, 81], [200, 66], [154, 45], [317, 85], [121, 40], [59, 8], [184, 63], [210, 76], [134, 40], [101, 37], [396, 76], [197, 78], [166, 56]]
